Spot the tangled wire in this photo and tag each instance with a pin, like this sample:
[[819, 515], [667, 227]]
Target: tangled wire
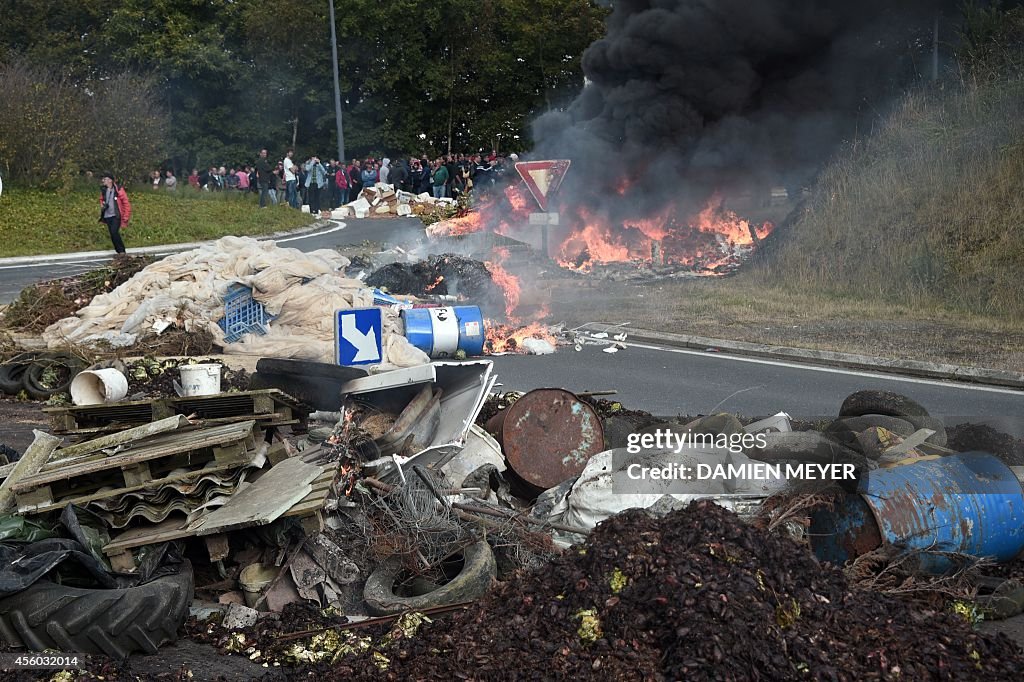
[[412, 523]]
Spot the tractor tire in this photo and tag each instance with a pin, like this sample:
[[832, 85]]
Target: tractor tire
[[881, 402], [98, 621], [478, 570]]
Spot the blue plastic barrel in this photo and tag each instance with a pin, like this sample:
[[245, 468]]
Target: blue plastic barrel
[[440, 332], [969, 503]]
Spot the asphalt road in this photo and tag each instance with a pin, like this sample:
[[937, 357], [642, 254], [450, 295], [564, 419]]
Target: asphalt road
[[659, 379], [671, 381], [14, 278]]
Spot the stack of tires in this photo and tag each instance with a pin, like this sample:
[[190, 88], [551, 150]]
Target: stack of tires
[[40, 374]]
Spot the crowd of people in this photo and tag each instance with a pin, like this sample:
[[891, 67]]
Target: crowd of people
[[326, 185]]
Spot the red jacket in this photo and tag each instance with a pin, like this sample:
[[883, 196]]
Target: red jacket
[[124, 207]]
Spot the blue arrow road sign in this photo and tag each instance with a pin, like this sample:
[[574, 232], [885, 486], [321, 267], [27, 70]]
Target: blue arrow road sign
[[357, 336]]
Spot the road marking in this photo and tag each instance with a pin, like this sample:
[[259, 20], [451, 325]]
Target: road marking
[[834, 370], [340, 226], [54, 262], [104, 259]]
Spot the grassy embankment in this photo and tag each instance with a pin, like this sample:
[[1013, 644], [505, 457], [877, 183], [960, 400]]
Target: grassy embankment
[[911, 245], [40, 222]]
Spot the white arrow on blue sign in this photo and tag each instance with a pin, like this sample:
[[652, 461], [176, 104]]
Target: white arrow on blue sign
[[357, 336]]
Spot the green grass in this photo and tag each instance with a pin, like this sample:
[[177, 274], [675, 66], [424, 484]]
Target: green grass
[[34, 222], [926, 211]]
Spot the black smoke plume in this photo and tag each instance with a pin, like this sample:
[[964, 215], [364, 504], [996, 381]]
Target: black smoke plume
[[685, 97]]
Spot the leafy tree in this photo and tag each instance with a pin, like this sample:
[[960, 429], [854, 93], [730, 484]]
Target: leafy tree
[[416, 75], [51, 128]]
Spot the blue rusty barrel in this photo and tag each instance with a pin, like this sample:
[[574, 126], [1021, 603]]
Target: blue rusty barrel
[[970, 503], [441, 332]]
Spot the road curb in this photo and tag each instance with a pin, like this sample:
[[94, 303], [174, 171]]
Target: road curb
[[931, 370], [151, 250]]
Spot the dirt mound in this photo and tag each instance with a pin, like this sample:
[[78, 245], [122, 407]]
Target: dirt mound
[[695, 595], [968, 437]]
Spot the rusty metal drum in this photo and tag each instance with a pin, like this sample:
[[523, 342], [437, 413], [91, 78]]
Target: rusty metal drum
[[547, 436], [963, 504]]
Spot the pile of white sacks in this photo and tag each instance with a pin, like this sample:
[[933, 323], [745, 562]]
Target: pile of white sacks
[[301, 290]]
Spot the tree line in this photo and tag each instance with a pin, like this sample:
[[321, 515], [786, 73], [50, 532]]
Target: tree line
[[134, 83]]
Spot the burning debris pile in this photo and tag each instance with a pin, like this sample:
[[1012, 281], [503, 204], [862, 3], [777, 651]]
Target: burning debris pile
[[450, 278], [442, 275], [712, 241]]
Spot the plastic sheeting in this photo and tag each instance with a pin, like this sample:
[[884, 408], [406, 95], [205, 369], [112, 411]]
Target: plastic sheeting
[[592, 498], [302, 290], [23, 564]]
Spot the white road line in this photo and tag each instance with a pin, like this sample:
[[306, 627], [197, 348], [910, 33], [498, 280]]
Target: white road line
[[54, 262], [833, 370], [103, 259], [339, 226]]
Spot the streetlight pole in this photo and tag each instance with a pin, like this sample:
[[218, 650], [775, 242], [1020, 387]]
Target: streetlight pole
[[337, 87]]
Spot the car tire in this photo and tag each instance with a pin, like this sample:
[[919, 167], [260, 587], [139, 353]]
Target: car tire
[[881, 402], [12, 373], [33, 379], [478, 571], [115, 623], [845, 429]]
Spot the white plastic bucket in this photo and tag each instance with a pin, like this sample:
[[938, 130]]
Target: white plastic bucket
[[96, 386], [253, 579], [200, 379]]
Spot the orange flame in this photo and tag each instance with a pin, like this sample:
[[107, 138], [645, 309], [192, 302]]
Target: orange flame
[[709, 242], [509, 284], [433, 285], [503, 338]]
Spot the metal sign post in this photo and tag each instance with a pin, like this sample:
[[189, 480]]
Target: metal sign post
[[543, 179]]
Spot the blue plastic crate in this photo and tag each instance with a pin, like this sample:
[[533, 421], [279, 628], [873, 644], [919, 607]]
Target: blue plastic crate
[[242, 314]]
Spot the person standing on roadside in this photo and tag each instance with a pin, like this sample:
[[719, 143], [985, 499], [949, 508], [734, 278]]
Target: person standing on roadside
[[291, 183], [115, 210], [439, 179], [316, 178], [263, 177], [355, 180]]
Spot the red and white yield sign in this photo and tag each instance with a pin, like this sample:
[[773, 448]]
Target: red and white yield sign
[[542, 178]]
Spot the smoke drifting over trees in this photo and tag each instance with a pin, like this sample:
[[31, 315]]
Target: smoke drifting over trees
[[688, 96]]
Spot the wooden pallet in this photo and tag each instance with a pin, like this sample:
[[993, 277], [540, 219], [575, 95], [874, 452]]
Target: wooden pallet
[[144, 464], [309, 510], [270, 406]]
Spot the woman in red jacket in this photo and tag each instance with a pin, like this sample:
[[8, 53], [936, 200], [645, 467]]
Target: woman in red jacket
[[115, 209]]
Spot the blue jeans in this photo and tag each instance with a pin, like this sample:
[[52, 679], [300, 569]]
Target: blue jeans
[[438, 191], [264, 193], [292, 193]]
